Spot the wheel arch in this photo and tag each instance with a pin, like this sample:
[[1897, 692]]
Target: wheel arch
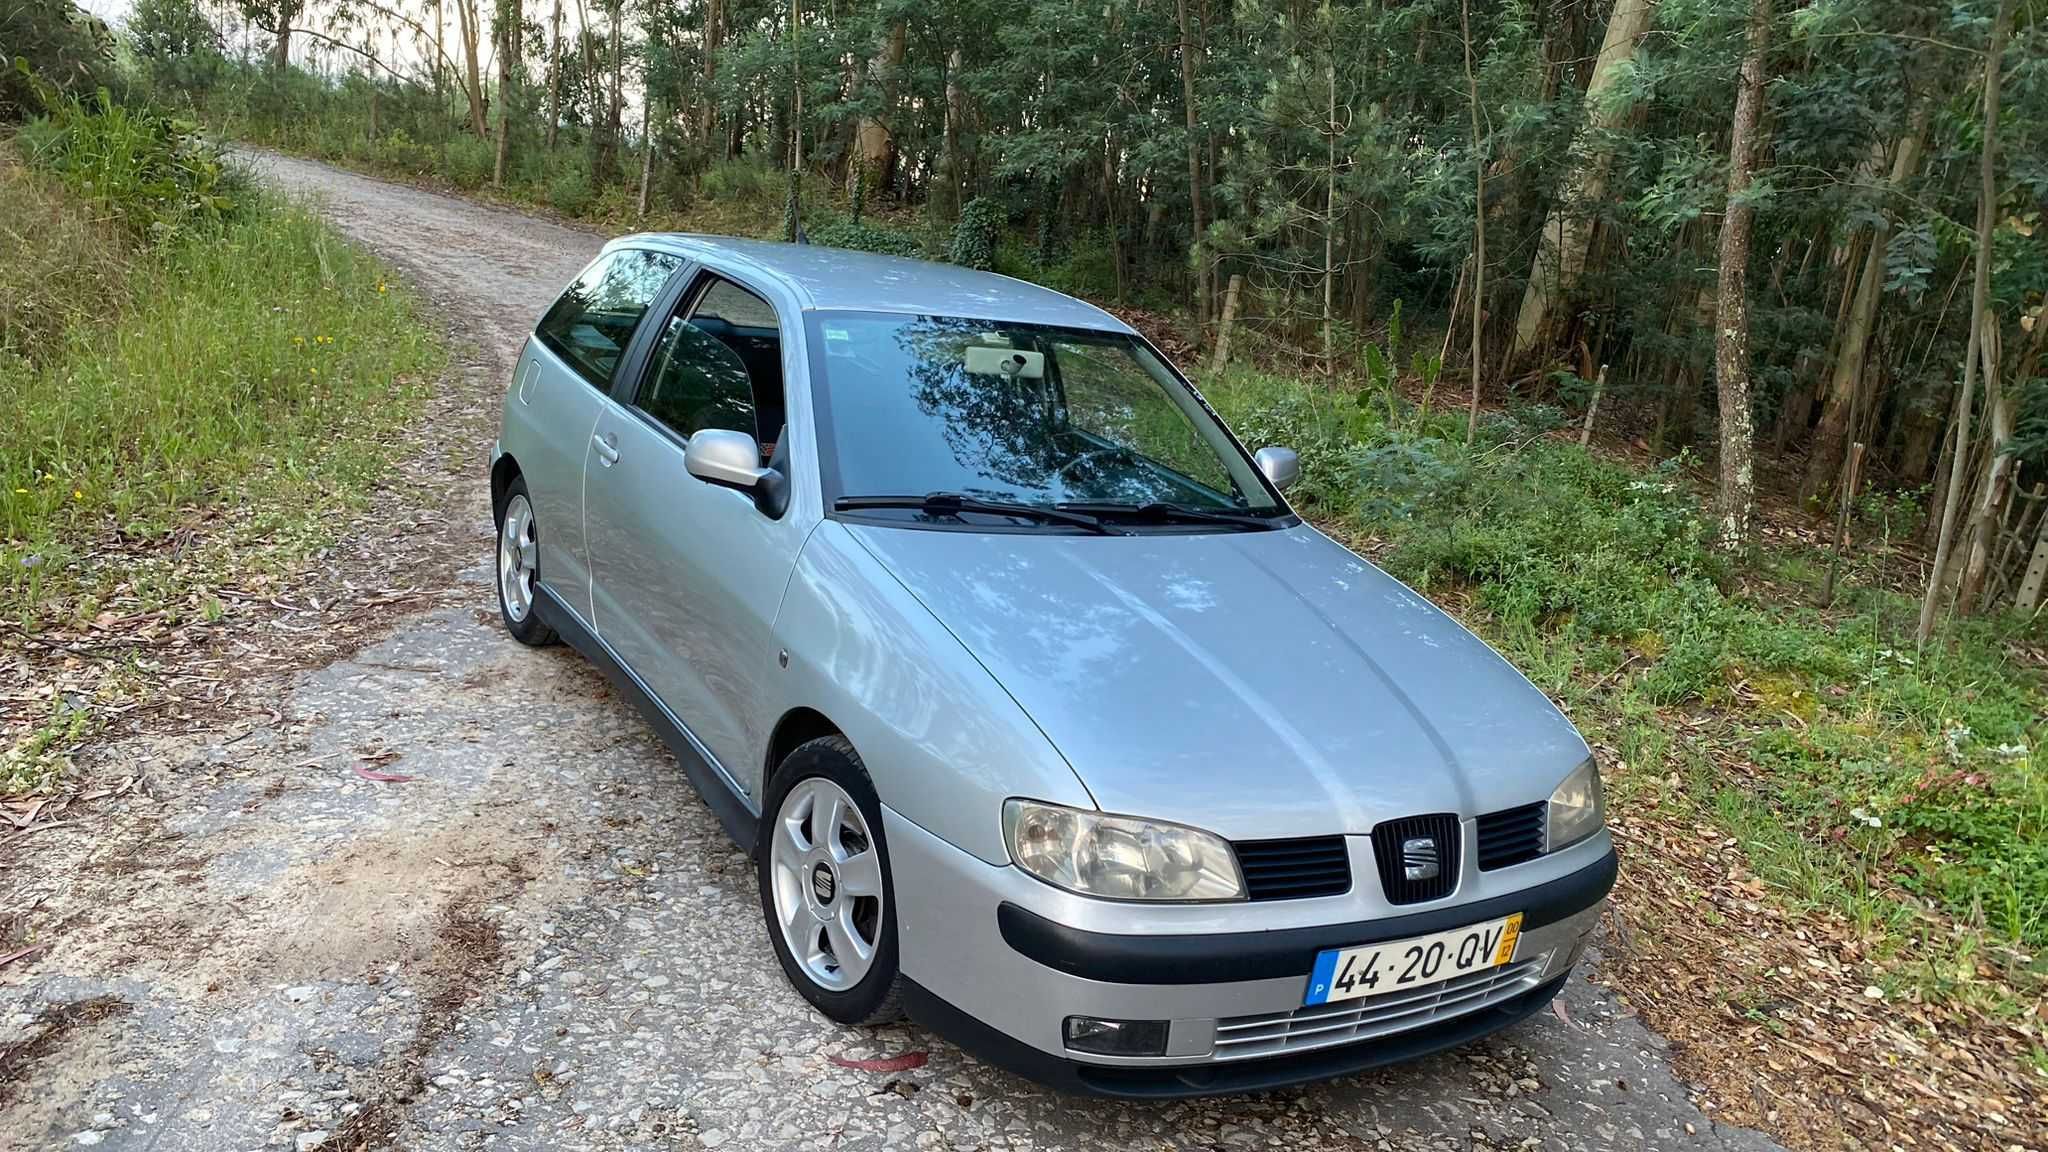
[[797, 727], [504, 470]]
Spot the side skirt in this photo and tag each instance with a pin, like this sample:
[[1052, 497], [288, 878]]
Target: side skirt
[[740, 821]]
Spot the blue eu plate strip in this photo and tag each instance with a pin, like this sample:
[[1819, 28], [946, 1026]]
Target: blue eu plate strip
[[1319, 980]]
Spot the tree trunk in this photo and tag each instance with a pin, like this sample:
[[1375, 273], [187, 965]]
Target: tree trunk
[[1561, 249], [956, 124], [1329, 230], [1847, 382], [714, 38], [281, 45], [1109, 199], [1980, 318], [1198, 251], [554, 74], [470, 26], [510, 15], [1737, 496], [1478, 220], [646, 153], [875, 139], [618, 101]]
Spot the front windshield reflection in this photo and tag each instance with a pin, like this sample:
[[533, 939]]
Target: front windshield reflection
[[1019, 413]]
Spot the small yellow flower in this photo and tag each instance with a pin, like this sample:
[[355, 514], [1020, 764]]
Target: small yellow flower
[[77, 495], [380, 287], [313, 371], [298, 339]]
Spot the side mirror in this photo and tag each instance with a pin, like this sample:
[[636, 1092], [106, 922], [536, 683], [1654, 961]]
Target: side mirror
[[733, 460], [1280, 465]]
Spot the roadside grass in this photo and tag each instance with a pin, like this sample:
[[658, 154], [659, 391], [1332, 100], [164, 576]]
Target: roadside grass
[[1859, 777], [207, 410]]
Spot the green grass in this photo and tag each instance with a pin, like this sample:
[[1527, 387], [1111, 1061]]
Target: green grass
[[208, 412], [1858, 776]]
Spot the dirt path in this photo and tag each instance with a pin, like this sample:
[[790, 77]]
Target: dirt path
[[541, 939]]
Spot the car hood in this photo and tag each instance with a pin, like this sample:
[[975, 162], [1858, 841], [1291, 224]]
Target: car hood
[[1258, 684]]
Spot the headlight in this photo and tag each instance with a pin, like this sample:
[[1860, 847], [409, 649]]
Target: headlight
[[1118, 857], [1575, 808]]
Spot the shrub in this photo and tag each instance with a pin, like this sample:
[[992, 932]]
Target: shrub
[[975, 237], [156, 174], [59, 264], [398, 151], [741, 180], [867, 237], [67, 51], [468, 161], [570, 192]]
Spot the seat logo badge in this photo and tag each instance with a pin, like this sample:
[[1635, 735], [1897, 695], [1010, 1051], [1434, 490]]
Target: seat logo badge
[[1419, 859], [822, 884]]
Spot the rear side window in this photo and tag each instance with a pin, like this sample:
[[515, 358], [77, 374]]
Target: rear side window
[[591, 324]]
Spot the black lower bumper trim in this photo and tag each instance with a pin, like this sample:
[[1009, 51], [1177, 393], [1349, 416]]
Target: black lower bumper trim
[[1180, 1081], [1226, 957]]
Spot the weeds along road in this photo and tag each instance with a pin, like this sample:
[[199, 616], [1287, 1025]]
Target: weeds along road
[[542, 940]]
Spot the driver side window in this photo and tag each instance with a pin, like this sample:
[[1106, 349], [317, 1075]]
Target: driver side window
[[718, 365]]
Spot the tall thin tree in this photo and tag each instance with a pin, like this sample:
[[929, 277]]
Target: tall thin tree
[[1737, 494], [1980, 307]]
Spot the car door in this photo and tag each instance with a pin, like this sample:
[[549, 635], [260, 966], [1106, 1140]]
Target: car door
[[572, 360], [686, 576]]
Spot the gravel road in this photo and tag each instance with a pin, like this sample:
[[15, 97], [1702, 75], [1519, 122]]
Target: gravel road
[[541, 939]]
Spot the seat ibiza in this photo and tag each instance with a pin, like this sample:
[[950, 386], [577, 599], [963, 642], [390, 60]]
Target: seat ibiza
[[1043, 716]]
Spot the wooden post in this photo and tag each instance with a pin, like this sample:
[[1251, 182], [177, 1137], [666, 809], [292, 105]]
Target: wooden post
[[1593, 407], [1222, 355], [1852, 471]]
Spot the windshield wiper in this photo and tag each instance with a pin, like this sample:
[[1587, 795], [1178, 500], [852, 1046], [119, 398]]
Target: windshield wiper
[[953, 503], [1160, 512]]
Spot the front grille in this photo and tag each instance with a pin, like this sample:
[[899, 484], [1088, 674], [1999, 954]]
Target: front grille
[[1348, 1021], [1511, 835], [1294, 869], [1387, 841]]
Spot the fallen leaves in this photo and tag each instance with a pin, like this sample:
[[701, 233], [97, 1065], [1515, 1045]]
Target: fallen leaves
[[903, 1063]]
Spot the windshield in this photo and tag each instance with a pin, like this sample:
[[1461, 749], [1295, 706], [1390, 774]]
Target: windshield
[[1018, 413]]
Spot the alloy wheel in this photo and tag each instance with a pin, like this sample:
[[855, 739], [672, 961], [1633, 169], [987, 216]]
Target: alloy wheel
[[517, 557], [827, 877]]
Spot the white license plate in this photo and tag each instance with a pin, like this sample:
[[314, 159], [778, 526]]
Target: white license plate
[[1377, 969]]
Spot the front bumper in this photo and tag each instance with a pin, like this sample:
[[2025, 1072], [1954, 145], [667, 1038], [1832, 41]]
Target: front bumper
[[996, 961]]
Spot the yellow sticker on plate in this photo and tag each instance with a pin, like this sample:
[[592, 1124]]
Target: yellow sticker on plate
[[1509, 937]]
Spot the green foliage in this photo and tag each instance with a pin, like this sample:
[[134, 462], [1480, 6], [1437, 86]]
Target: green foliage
[[61, 265], [177, 45], [741, 180], [49, 48], [1600, 582], [262, 345], [792, 210], [868, 237], [975, 236], [571, 193], [154, 173], [467, 161]]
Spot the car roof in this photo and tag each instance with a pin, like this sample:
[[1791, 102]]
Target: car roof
[[828, 278]]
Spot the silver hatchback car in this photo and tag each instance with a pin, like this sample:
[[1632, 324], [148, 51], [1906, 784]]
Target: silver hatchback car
[[1043, 716]]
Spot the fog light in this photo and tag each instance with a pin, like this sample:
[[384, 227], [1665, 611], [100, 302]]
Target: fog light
[[1116, 1037]]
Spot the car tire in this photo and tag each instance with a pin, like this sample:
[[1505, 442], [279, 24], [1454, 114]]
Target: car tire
[[852, 909], [517, 566]]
